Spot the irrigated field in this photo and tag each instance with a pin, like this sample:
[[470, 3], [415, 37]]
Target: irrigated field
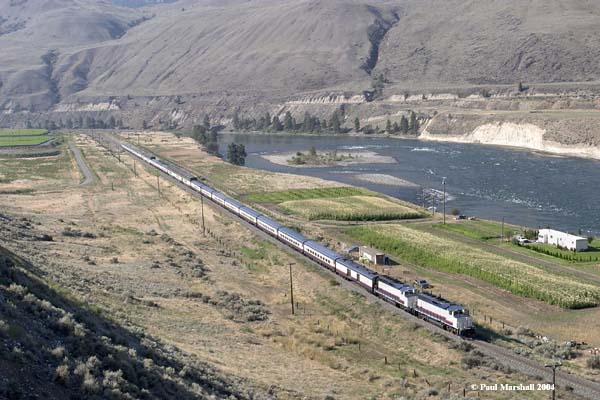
[[23, 140], [22, 132], [482, 230], [350, 208], [306, 194], [450, 256], [337, 203]]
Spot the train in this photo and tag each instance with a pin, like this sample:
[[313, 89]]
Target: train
[[449, 316]]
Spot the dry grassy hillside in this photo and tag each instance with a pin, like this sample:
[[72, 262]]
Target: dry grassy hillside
[[493, 42], [175, 61]]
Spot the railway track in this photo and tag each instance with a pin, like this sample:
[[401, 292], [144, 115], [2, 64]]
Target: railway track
[[566, 383]]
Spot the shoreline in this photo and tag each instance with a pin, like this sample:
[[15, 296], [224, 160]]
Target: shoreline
[[547, 148]]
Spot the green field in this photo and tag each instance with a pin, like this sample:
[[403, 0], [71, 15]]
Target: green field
[[306, 194], [23, 140], [22, 132], [479, 229], [453, 256], [351, 208]]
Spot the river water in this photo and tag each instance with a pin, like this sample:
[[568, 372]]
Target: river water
[[523, 187]]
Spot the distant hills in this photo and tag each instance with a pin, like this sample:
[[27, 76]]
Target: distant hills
[[56, 51]]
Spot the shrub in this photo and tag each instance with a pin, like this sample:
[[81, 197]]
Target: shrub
[[62, 373], [3, 328], [112, 379], [593, 362], [524, 331], [58, 352], [89, 384]]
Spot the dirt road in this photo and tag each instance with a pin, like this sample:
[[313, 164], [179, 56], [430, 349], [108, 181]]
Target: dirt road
[[88, 176]]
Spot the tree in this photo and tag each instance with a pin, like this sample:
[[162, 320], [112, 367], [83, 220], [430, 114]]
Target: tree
[[112, 122], [335, 123], [396, 127], [90, 123], [212, 148], [403, 125], [199, 134], [236, 120], [144, 125], [276, 124], [236, 153], [413, 124], [388, 127], [288, 122], [313, 151], [356, 124], [307, 124], [206, 122], [520, 87], [455, 211]]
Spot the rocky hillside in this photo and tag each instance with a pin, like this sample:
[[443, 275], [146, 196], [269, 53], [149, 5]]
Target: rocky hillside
[[457, 42], [55, 347], [166, 63], [57, 50]]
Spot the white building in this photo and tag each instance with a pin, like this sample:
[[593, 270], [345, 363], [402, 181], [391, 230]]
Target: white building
[[562, 239]]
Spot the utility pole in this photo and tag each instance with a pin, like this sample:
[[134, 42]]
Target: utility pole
[[444, 198], [423, 196], [202, 205], [502, 236], [554, 365], [134, 169], [292, 288]]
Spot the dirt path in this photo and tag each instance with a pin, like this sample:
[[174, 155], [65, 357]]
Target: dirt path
[[89, 177]]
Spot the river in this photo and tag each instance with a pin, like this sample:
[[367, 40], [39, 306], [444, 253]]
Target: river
[[523, 187]]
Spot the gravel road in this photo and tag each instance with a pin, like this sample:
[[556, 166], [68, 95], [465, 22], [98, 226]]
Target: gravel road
[[89, 177]]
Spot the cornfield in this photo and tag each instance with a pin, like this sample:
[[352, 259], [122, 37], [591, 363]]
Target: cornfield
[[306, 194], [351, 208], [452, 256]]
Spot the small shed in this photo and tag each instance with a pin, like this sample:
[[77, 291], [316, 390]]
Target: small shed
[[374, 256]]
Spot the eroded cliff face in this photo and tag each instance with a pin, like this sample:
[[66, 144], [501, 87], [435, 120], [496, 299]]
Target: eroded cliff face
[[552, 136]]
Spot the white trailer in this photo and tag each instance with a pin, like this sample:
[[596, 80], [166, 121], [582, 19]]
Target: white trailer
[[562, 239]]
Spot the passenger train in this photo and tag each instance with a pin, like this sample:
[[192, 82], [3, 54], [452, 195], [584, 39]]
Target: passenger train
[[452, 317]]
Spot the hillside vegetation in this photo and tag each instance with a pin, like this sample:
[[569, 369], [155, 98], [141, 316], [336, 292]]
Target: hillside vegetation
[[71, 351]]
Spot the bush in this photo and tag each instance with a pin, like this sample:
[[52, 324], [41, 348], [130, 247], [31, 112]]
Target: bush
[[62, 373], [593, 362], [524, 331], [113, 379], [472, 361]]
